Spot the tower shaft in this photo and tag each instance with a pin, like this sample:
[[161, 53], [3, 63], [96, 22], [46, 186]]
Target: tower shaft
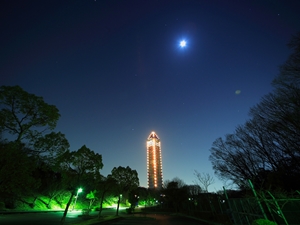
[[154, 162]]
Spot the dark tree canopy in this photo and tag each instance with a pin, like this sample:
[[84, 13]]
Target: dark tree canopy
[[26, 144], [126, 181], [35, 160], [81, 165], [15, 172], [288, 78], [176, 194], [50, 146], [25, 115]]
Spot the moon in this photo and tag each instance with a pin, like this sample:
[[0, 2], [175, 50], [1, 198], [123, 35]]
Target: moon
[[182, 43]]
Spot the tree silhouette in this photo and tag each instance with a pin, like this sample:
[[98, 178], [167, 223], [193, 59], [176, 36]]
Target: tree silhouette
[[204, 180], [78, 167], [127, 180], [25, 115], [266, 148]]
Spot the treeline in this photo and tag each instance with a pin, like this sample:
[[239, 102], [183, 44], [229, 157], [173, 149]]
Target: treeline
[[266, 149], [193, 200], [36, 161]]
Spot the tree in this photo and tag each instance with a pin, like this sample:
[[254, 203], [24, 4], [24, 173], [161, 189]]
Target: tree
[[51, 185], [92, 197], [234, 158], [176, 195], [179, 182], [50, 146], [104, 186], [24, 115], [133, 199], [266, 148], [77, 167], [166, 183], [15, 173], [194, 190], [288, 78], [127, 180], [143, 195], [26, 120], [204, 180]]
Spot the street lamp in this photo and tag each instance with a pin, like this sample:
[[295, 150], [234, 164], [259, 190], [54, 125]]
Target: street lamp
[[78, 191]]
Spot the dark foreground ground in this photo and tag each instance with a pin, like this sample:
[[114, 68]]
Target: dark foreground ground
[[50, 217], [154, 219], [108, 218]]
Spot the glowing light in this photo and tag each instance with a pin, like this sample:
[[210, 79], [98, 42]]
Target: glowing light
[[78, 191], [182, 43], [154, 162]]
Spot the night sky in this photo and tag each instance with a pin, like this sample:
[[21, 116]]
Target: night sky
[[116, 72]]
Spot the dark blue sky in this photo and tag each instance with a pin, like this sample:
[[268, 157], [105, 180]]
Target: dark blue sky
[[116, 72]]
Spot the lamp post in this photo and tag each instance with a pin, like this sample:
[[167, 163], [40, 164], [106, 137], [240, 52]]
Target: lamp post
[[78, 191]]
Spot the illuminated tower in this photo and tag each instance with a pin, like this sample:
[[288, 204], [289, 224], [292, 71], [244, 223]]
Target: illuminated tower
[[154, 162]]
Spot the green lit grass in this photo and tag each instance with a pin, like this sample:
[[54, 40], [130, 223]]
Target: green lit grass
[[59, 203]]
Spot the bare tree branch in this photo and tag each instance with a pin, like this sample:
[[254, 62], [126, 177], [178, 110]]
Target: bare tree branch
[[204, 180]]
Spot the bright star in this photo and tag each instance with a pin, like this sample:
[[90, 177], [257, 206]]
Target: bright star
[[182, 44]]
